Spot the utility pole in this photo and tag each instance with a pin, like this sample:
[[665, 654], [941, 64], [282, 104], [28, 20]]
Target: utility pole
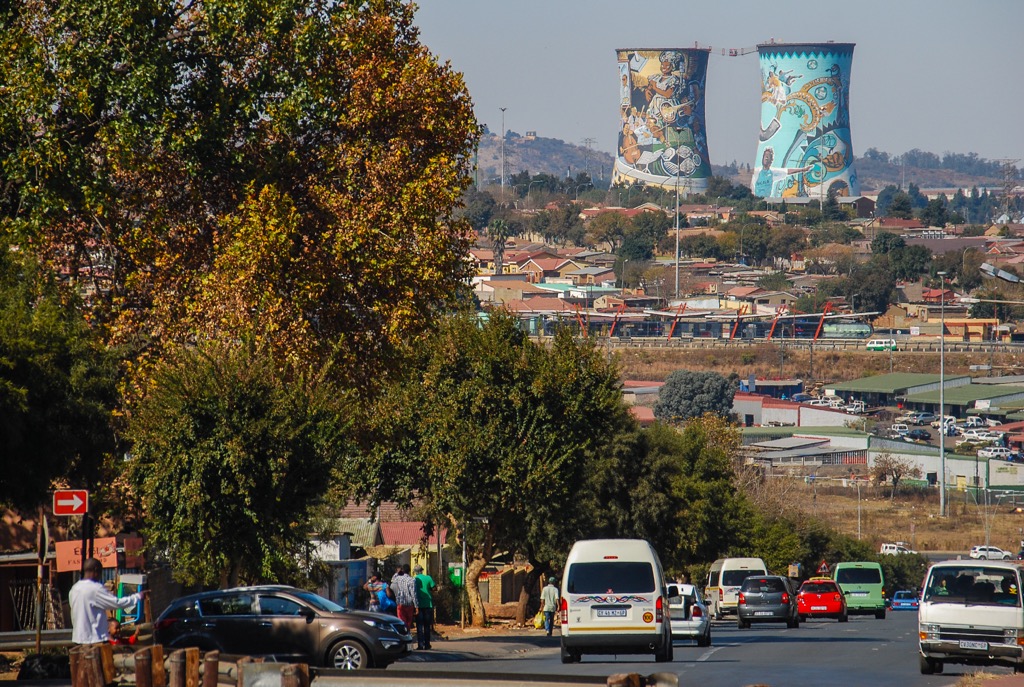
[[587, 142]]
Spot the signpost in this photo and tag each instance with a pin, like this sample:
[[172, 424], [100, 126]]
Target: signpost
[[70, 502]]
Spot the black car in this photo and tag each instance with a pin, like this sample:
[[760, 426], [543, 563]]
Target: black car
[[286, 623], [919, 435]]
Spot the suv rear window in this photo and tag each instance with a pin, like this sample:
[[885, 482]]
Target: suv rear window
[[859, 576], [763, 584], [734, 578], [603, 577]]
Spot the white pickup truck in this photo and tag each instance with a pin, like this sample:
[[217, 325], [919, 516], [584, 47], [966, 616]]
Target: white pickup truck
[[971, 614]]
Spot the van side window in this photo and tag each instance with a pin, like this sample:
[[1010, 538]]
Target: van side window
[[713, 579], [611, 577]]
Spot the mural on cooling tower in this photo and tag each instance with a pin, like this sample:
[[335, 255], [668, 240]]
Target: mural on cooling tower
[[805, 147], [661, 132]]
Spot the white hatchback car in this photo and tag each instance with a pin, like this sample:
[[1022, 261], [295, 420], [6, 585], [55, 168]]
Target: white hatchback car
[[992, 553], [689, 615]]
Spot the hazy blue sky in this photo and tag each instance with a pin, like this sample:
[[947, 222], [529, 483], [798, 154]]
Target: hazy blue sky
[[938, 75]]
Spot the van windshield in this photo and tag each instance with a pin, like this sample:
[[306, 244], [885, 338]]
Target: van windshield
[[980, 585], [859, 576], [734, 578], [610, 577]]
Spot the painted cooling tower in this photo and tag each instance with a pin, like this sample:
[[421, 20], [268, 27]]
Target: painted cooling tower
[[662, 138], [805, 147]]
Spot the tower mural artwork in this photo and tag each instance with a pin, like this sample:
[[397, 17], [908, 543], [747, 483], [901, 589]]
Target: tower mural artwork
[[805, 147], [662, 138]]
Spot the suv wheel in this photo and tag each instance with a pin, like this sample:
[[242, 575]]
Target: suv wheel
[[348, 654]]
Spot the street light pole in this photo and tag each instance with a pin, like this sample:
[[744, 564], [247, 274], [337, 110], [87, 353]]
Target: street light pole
[[677, 232], [942, 395], [503, 151]]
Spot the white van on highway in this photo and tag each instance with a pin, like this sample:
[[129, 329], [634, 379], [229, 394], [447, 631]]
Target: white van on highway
[[970, 614], [614, 601], [724, 580]]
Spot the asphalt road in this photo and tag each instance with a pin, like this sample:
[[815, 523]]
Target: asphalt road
[[864, 651]]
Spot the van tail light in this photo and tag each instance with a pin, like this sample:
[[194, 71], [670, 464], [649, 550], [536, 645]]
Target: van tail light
[[743, 599], [721, 594], [695, 612], [565, 611], [785, 598], [659, 610]]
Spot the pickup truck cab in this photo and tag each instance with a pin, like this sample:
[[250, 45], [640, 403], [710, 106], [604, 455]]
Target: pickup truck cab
[[899, 428], [970, 614]]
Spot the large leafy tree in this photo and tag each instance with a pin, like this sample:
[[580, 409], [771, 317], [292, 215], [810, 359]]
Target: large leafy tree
[[496, 431], [232, 453], [688, 394], [145, 142], [57, 387]]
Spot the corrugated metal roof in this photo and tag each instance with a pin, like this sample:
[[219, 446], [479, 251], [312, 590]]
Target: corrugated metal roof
[[364, 532], [965, 394], [408, 533], [790, 443], [891, 383]]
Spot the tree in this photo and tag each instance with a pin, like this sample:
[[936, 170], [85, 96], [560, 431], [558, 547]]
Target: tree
[[499, 232], [934, 214], [232, 452], [151, 137], [491, 426], [900, 206], [910, 262], [886, 242], [785, 241], [776, 281], [689, 394], [57, 387], [888, 466]]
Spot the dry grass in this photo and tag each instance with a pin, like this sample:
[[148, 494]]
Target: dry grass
[[912, 517], [976, 679]]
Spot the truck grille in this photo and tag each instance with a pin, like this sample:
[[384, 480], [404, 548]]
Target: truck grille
[[956, 634]]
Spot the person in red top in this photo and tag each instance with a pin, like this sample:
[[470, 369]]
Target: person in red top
[[114, 629]]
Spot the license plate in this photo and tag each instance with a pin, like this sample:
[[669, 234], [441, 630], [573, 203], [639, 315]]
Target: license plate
[[762, 612], [611, 613], [859, 594], [981, 646], [819, 608]]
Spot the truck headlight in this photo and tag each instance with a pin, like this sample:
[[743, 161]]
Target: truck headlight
[[929, 631], [1010, 635]]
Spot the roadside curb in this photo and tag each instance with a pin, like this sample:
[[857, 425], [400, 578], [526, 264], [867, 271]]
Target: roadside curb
[[483, 648]]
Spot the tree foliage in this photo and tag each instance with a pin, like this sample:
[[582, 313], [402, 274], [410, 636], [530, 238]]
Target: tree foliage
[[688, 394], [232, 452], [57, 387], [149, 138]]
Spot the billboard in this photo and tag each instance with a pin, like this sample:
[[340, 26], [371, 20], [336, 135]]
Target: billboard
[[662, 138], [804, 147]]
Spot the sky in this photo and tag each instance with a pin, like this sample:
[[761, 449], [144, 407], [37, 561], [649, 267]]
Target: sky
[[936, 75]]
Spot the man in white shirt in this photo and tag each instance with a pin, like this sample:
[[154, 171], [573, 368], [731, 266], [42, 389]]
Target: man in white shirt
[[90, 602]]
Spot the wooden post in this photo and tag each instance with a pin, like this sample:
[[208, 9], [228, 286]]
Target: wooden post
[[92, 667], [159, 672], [192, 667], [176, 671], [240, 670], [75, 657], [295, 675], [211, 668], [144, 668], [105, 657]]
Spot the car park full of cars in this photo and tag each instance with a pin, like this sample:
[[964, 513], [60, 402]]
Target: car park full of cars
[[820, 597], [689, 616], [991, 553], [285, 623], [905, 601], [766, 599]]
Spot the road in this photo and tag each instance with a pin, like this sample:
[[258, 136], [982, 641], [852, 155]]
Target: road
[[864, 651]]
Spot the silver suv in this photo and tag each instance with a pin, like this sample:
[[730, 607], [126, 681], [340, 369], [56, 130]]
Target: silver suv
[[767, 599], [992, 553]]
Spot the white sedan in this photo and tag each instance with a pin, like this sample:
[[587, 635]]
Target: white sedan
[[992, 553]]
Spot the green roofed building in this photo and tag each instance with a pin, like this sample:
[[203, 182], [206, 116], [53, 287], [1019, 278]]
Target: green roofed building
[[889, 389], [959, 400]]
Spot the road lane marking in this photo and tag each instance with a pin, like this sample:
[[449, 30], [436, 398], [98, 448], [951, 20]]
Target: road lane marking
[[707, 654]]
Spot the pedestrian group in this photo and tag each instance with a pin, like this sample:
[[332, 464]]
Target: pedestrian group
[[410, 597]]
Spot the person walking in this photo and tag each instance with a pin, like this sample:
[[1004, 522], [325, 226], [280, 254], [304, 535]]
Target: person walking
[[549, 604], [90, 602], [425, 615], [374, 587], [404, 588]]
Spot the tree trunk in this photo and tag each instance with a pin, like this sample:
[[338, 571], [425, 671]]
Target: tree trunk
[[529, 588], [476, 602]]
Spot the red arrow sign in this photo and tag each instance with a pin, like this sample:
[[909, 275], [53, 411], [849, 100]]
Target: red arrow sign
[[70, 502]]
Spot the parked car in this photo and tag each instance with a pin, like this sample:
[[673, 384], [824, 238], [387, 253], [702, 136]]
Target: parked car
[[991, 553], [994, 452], [905, 601], [836, 402], [802, 397], [856, 407], [899, 429], [688, 614], [766, 599], [918, 435], [946, 420], [974, 421], [820, 597], [820, 403], [981, 435], [920, 418], [286, 623]]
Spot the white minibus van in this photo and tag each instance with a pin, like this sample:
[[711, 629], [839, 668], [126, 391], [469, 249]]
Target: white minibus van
[[614, 601], [724, 580]]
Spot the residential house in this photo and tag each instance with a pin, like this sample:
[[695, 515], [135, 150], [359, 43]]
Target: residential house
[[427, 551], [539, 269]]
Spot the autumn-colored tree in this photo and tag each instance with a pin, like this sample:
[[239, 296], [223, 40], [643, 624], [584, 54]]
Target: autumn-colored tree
[[287, 167]]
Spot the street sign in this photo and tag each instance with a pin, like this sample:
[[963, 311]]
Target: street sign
[[823, 568], [70, 502]]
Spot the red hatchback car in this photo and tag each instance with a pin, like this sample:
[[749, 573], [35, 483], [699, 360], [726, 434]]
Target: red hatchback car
[[820, 597]]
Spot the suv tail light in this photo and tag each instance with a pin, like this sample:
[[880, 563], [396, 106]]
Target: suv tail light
[[785, 598], [565, 611], [165, 624], [659, 610], [742, 599]]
